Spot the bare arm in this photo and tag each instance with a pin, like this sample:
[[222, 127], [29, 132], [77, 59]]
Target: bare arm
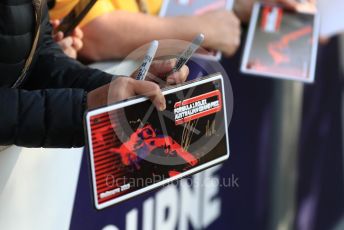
[[116, 34]]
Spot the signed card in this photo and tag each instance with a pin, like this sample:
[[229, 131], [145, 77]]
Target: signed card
[[134, 148]]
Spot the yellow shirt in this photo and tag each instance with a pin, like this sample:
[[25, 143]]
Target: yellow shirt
[[63, 7]]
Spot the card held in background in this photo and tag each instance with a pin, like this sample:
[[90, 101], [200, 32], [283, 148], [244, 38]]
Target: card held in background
[[281, 44]]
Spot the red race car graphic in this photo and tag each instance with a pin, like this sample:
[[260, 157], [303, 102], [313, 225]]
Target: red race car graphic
[[144, 141], [276, 49]]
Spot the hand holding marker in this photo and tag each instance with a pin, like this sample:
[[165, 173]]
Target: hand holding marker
[[147, 61], [187, 54], [181, 60]]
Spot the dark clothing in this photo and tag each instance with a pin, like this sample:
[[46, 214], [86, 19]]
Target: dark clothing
[[47, 110], [16, 36]]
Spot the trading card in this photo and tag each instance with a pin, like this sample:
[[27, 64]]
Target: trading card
[[133, 148], [172, 8], [281, 43]]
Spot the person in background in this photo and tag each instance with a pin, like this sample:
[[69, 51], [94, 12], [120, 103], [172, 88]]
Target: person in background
[[120, 22], [116, 21]]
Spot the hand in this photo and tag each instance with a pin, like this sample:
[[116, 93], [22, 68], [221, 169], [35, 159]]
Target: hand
[[309, 6], [221, 29], [125, 87], [71, 44], [158, 70]]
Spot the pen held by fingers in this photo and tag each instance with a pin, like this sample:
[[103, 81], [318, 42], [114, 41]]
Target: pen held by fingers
[[77, 32], [58, 36], [178, 77]]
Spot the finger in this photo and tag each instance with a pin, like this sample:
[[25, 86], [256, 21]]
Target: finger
[[286, 3], [156, 79], [55, 23], [289, 3], [236, 21], [162, 67], [178, 77], [70, 52], [150, 90], [66, 43], [58, 36], [229, 52], [77, 44], [307, 7], [77, 32], [324, 40]]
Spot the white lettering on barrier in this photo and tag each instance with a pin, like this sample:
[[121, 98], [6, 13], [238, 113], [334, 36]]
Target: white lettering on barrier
[[131, 220], [198, 205], [190, 203], [211, 202], [110, 227], [166, 208], [148, 215]]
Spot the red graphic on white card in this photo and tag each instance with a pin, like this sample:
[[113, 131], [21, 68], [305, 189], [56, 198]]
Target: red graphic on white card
[[271, 19], [276, 48]]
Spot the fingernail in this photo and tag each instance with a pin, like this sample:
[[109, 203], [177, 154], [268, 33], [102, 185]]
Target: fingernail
[[162, 106]]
